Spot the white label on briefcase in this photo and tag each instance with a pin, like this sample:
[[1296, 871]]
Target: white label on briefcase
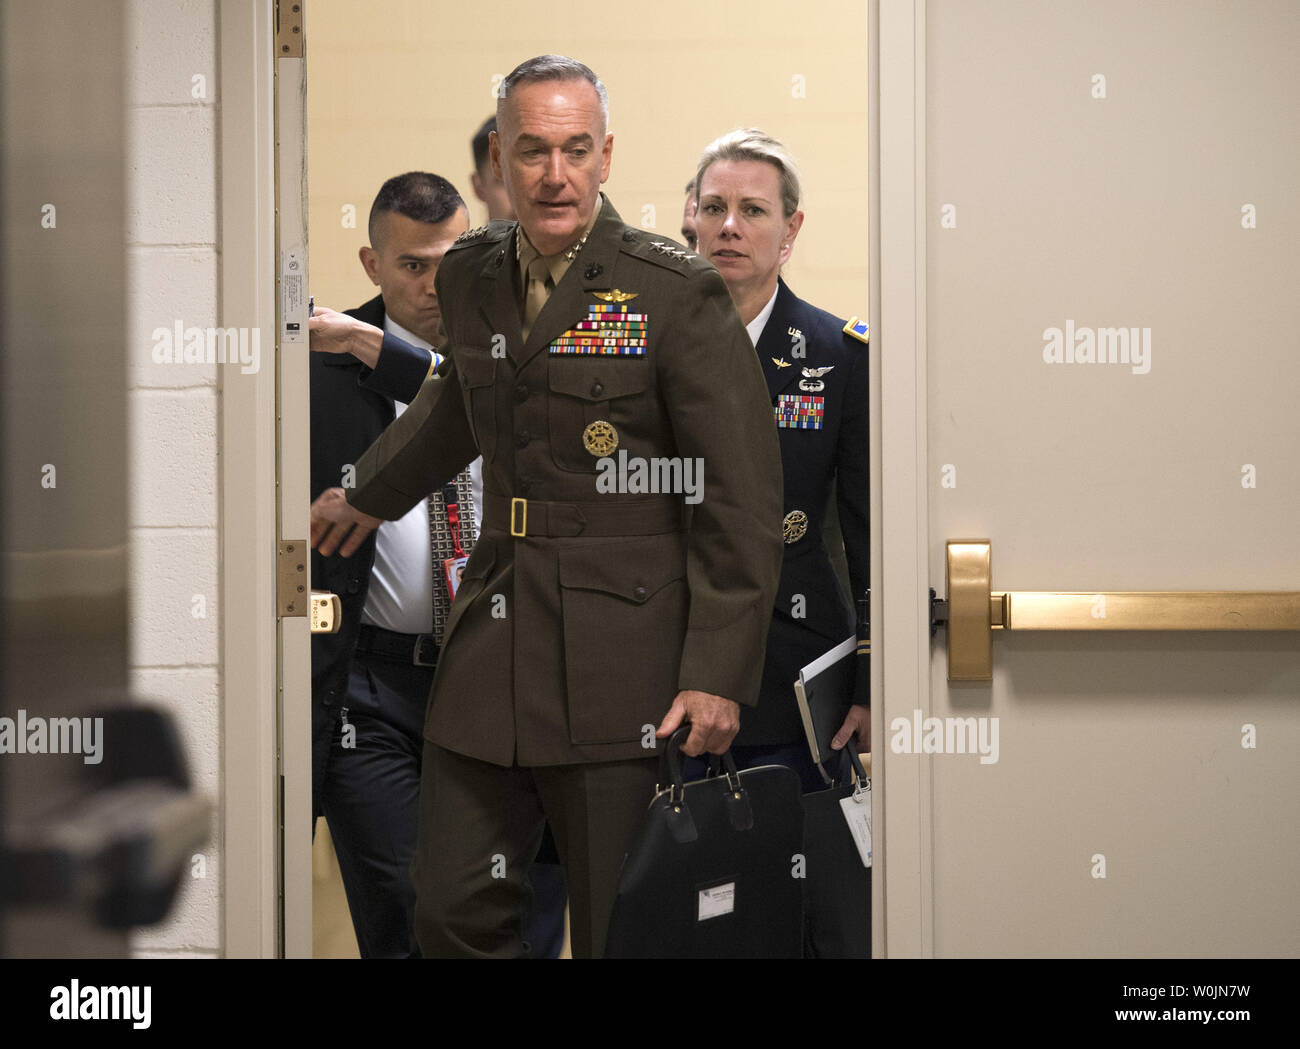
[[717, 901], [857, 812]]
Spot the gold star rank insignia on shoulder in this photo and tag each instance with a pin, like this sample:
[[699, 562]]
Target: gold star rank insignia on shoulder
[[780, 363], [615, 295], [470, 234]]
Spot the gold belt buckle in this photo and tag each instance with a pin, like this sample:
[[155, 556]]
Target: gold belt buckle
[[518, 516]]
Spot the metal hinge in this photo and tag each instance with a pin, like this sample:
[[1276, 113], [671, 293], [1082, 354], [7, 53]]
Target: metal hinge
[[291, 594], [288, 28]]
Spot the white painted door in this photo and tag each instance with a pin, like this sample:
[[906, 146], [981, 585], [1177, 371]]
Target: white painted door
[[1088, 274]]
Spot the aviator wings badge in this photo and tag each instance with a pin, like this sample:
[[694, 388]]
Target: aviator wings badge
[[812, 379]]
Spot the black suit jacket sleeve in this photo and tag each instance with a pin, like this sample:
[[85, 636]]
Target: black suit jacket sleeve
[[421, 450], [400, 370]]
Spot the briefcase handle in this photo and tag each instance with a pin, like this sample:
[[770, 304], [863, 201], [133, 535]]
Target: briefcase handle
[[850, 752], [737, 804]]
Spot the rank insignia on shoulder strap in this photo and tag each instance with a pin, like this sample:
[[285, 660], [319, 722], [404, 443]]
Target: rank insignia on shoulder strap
[[860, 330], [471, 234], [669, 250]]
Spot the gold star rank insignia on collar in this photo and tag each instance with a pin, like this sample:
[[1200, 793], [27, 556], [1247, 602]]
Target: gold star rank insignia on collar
[[780, 363]]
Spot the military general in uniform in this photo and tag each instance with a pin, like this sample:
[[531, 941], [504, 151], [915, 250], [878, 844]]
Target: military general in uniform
[[630, 548]]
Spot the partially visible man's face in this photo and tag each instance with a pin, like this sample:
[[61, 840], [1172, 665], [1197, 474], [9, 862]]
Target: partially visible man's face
[[690, 236], [553, 152], [492, 192], [404, 262]]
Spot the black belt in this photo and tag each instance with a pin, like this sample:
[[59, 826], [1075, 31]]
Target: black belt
[[521, 517], [417, 649]]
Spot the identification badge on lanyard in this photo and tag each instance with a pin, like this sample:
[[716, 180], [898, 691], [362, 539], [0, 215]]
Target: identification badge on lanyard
[[453, 567]]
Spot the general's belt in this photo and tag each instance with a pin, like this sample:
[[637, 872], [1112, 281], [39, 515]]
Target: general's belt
[[522, 517]]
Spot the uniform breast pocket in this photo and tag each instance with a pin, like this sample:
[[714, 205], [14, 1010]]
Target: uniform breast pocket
[[625, 609], [477, 370], [588, 390]]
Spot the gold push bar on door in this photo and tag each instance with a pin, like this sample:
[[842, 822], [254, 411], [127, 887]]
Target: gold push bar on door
[[975, 610]]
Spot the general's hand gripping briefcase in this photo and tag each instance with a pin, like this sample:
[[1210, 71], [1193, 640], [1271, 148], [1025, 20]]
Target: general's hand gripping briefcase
[[715, 872]]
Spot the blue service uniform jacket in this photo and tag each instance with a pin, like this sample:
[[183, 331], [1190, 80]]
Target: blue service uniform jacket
[[819, 401]]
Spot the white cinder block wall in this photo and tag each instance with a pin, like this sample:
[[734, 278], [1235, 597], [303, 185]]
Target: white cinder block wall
[[172, 259]]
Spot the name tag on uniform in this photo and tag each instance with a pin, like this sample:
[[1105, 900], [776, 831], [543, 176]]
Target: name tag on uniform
[[799, 411], [609, 330]]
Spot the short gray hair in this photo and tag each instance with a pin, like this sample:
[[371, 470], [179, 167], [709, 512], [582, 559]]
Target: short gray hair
[[749, 143], [552, 67]]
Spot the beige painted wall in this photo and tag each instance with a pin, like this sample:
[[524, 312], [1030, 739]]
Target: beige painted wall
[[404, 86]]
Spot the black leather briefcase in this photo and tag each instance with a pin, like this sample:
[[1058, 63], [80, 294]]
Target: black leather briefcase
[[714, 871], [837, 887]]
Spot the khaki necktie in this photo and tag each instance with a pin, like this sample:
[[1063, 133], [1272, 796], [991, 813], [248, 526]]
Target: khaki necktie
[[539, 290]]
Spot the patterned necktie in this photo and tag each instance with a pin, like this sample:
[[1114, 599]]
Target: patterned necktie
[[442, 540]]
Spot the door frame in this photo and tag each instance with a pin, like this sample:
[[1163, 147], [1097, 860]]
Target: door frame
[[904, 862], [902, 903], [247, 514]]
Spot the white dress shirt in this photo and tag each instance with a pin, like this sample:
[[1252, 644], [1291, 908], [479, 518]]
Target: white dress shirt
[[756, 326], [400, 596]]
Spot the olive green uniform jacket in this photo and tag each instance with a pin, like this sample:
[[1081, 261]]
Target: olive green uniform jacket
[[568, 643]]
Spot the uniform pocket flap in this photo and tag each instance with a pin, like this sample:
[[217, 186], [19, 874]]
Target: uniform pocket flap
[[599, 380], [477, 366], [634, 571]]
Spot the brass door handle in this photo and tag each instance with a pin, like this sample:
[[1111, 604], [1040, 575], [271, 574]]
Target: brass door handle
[[975, 610]]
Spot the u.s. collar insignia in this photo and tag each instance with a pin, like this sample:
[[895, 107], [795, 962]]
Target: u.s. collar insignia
[[794, 526], [571, 252], [794, 332], [780, 363], [615, 295], [812, 379]]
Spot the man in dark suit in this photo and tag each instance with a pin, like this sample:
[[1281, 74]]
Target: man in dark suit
[[590, 611], [371, 680]]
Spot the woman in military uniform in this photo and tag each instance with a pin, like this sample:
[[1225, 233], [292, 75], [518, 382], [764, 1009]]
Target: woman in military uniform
[[816, 370]]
